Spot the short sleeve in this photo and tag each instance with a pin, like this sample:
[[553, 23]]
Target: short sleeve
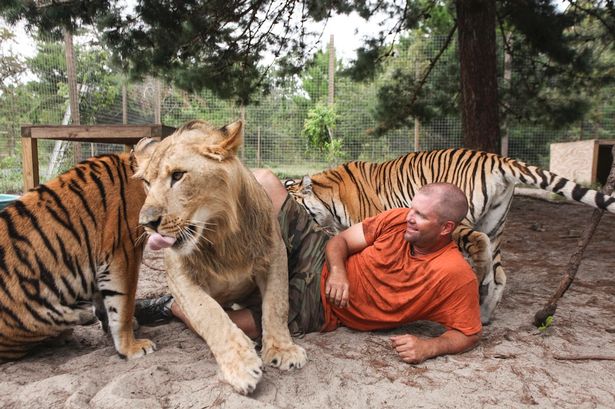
[[462, 310], [376, 226]]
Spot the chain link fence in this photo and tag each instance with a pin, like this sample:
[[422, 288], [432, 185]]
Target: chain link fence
[[35, 90]]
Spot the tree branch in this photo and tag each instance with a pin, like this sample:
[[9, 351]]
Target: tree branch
[[540, 318], [432, 64]]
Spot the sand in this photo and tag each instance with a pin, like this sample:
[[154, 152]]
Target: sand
[[515, 365]]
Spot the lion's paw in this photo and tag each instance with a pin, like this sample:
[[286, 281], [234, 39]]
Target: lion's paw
[[139, 348], [241, 369], [285, 357]]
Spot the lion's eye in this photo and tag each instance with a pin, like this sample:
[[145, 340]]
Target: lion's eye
[[176, 176]]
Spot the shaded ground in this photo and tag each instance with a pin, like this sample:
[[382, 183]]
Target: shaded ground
[[515, 365]]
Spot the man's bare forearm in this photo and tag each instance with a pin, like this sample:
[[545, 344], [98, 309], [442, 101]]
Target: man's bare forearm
[[453, 342], [413, 349]]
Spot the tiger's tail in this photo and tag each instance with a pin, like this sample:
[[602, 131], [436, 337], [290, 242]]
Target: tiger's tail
[[543, 179]]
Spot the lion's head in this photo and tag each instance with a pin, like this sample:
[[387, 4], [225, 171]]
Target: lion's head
[[192, 185]]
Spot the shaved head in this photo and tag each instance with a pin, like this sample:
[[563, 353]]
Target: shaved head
[[449, 201]]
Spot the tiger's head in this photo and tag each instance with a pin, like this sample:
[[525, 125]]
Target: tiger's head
[[328, 212], [191, 191]]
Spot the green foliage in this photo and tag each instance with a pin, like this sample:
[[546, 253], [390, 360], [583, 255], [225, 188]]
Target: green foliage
[[11, 179], [319, 125], [334, 151], [543, 328], [559, 55]]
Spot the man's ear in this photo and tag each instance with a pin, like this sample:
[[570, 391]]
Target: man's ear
[[448, 228], [142, 152], [229, 145]]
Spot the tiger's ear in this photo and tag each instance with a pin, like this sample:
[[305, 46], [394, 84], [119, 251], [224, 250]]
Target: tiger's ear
[[233, 139], [306, 185], [142, 152]]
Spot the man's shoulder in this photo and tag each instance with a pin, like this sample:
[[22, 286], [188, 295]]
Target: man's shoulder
[[393, 217], [389, 221], [453, 261]]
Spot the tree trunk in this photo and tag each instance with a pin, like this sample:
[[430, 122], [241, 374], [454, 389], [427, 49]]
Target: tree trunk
[[477, 61]]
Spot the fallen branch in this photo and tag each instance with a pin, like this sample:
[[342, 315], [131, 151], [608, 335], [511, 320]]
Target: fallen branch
[[584, 358], [541, 317]]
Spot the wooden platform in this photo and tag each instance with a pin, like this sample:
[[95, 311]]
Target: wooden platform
[[117, 134]]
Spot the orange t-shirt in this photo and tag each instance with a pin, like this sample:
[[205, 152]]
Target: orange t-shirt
[[390, 287]]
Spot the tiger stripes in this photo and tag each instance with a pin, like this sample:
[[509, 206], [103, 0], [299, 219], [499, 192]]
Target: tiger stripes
[[347, 194], [66, 244]]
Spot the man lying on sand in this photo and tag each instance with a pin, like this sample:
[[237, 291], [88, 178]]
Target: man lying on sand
[[391, 269]]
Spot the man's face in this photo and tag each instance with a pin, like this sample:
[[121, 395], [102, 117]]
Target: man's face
[[423, 227]]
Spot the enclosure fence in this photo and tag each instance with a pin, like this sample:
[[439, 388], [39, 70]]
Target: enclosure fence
[[36, 89]]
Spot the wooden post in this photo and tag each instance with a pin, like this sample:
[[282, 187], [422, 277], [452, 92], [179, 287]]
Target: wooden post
[[127, 148], [258, 148], [157, 102], [417, 123], [507, 83], [242, 116], [29, 163], [331, 76], [73, 97]]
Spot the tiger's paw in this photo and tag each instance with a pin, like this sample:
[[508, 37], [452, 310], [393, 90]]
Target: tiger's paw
[[139, 348], [285, 357]]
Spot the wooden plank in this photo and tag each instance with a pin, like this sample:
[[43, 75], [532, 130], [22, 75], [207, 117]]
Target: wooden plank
[[29, 162], [126, 135], [119, 134]]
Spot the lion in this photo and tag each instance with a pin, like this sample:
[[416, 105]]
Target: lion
[[222, 240]]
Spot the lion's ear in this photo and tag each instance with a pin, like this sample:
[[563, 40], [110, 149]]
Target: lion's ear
[[143, 150], [233, 139]]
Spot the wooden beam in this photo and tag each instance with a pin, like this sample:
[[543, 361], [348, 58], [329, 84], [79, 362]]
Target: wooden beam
[[119, 134], [29, 160]]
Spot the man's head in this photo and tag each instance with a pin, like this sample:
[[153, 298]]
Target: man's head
[[436, 211]]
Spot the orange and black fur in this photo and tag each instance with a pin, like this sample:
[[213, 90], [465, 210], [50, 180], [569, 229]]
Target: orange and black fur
[[344, 195], [66, 244]]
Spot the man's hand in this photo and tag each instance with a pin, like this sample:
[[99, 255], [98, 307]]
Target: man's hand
[[337, 288], [337, 251], [411, 349], [415, 350]]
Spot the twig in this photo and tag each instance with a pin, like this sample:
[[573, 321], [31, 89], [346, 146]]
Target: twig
[[584, 358], [540, 318]]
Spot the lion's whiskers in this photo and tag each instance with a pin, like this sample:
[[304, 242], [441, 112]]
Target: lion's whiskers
[[192, 231], [140, 239]]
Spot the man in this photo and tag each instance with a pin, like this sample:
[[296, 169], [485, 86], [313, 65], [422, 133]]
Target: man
[[392, 269]]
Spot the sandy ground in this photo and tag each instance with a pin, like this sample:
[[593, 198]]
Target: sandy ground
[[515, 365]]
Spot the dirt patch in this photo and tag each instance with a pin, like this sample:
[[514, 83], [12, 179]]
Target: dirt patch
[[514, 366]]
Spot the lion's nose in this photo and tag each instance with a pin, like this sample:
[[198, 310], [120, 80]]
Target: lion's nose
[[150, 217], [153, 224]]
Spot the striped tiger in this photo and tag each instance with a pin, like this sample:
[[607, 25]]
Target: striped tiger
[[339, 197], [66, 244]]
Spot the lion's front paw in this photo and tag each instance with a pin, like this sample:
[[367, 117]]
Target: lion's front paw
[[139, 348], [285, 357], [241, 367]]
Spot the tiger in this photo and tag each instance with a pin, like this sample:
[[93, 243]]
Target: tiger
[[67, 244], [344, 195]]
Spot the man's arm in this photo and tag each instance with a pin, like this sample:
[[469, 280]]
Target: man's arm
[[415, 350], [337, 251]]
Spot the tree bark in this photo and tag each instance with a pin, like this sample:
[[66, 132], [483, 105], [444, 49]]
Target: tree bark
[[477, 61]]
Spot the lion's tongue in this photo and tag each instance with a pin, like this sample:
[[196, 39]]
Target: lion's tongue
[[157, 241]]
